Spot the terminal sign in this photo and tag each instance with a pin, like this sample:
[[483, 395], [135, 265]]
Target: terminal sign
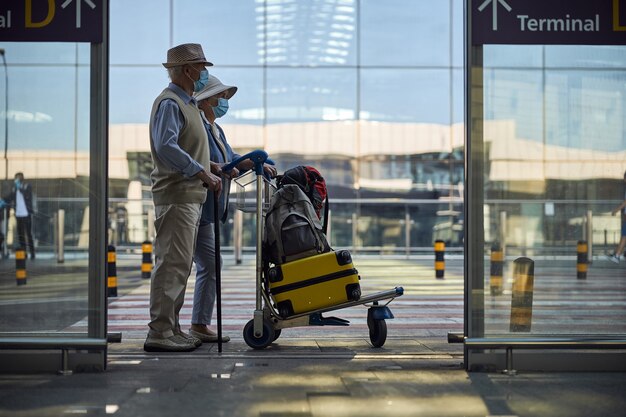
[[51, 20], [549, 22]]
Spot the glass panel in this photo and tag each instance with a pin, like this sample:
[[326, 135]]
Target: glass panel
[[458, 34], [246, 106], [149, 41], [422, 27], [132, 92], [310, 95], [231, 33], [48, 141], [315, 32], [584, 56], [400, 145], [501, 56], [406, 95], [46, 53], [554, 159]]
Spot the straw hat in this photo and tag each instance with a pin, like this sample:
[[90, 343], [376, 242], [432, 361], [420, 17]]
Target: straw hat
[[213, 87], [187, 53]]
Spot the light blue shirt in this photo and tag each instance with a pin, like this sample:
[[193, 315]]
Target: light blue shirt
[[166, 126]]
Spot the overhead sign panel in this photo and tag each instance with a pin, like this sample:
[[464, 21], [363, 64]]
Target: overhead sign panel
[[549, 22], [51, 20]]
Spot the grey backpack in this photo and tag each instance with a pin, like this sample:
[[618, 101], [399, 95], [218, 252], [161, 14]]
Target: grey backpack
[[292, 229]]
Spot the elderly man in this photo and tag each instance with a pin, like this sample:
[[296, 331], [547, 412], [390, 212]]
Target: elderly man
[[180, 153]]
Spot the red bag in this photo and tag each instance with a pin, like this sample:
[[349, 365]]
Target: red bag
[[310, 181]]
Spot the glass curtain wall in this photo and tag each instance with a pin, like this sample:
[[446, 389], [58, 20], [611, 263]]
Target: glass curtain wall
[[45, 90], [554, 162], [368, 92]]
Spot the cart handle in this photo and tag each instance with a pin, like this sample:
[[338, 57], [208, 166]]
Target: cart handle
[[258, 157]]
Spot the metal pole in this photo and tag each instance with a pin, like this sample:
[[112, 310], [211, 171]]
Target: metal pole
[[151, 232], [589, 236], [258, 312], [98, 181], [502, 232], [238, 236], [218, 270], [60, 232], [407, 231], [6, 114], [329, 227], [354, 231]]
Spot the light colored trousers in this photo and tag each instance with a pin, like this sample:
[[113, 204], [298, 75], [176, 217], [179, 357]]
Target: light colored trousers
[[204, 292], [176, 232]]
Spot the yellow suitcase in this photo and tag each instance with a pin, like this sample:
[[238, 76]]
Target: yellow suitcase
[[314, 283]]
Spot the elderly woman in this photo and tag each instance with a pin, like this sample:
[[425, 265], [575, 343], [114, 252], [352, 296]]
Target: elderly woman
[[213, 103]]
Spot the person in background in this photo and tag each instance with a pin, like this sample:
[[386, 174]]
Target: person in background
[[180, 154], [616, 256], [21, 198], [213, 104]]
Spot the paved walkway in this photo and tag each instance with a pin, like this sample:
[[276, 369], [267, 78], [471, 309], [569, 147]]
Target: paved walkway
[[321, 372]]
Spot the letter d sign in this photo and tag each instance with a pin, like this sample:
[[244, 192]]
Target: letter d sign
[[616, 26], [29, 15]]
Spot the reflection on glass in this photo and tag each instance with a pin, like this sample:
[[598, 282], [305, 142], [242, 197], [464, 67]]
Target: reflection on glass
[[149, 40], [305, 95], [231, 33], [421, 27], [45, 53], [132, 104], [406, 95], [48, 141], [554, 158]]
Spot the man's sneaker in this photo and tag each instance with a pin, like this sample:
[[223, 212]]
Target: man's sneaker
[[613, 258], [190, 339], [173, 343]]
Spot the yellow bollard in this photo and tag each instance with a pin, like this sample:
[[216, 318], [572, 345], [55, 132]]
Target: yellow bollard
[[497, 268], [582, 260], [522, 295], [440, 265], [20, 266], [146, 259], [111, 272]]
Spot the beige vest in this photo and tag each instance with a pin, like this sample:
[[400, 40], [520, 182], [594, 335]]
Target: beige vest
[[168, 185]]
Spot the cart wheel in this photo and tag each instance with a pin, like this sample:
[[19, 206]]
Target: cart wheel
[[378, 332], [277, 333], [258, 342]]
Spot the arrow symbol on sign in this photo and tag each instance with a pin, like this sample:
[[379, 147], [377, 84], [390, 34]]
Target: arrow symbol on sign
[[494, 3], [78, 3]]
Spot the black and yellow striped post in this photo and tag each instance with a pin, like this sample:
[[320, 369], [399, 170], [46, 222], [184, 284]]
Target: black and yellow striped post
[[20, 266], [111, 272], [440, 264], [582, 260], [497, 268], [522, 295], [146, 259]]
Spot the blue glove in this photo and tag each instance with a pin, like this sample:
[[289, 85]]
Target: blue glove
[[3, 204]]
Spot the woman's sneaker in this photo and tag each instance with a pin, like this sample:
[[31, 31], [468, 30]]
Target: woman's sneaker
[[613, 258]]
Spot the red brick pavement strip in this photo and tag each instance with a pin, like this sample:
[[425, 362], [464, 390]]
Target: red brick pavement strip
[[429, 306]]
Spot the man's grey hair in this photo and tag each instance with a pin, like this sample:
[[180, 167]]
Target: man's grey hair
[[175, 72]]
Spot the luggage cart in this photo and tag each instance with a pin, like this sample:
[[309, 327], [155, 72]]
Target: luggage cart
[[254, 191]]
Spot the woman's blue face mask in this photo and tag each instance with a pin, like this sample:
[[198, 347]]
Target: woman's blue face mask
[[221, 108]]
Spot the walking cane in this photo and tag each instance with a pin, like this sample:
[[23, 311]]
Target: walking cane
[[218, 271]]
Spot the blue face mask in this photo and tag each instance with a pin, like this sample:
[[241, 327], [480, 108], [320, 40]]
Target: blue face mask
[[202, 82], [221, 108]]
